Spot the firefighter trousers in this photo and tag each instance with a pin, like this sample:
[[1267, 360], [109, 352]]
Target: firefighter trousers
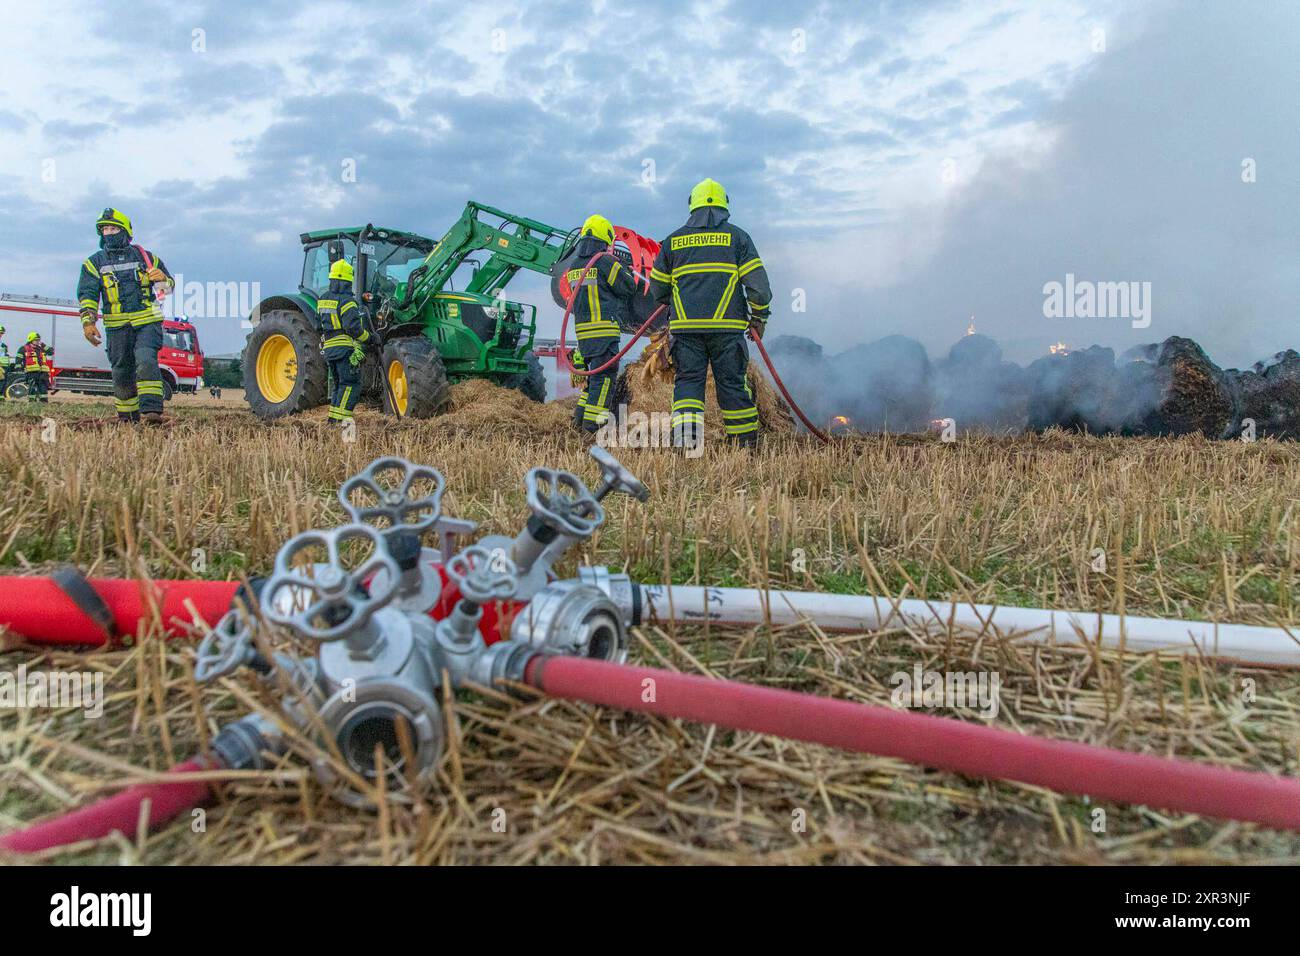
[[38, 385], [596, 402], [347, 385], [727, 353], [137, 380]]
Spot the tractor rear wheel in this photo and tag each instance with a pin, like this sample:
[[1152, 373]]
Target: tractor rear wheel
[[417, 379], [284, 370], [533, 382]]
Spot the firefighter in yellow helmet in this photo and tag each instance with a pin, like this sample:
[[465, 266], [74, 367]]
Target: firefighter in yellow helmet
[[601, 293], [340, 318], [709, 273], [126, 282], [35, 357]]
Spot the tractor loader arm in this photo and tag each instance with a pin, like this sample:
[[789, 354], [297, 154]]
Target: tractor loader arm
[[517, 242]]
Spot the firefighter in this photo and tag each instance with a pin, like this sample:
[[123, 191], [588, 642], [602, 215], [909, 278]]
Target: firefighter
[[340, 319], [710, 274], [5, 361], [35, 356], [600, 294], [124, 281]]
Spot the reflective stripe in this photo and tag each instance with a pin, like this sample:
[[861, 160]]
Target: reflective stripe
[[339, 341], [127, 404], [688, 403], [149, 388], [661, 276], [702, 268], [694, 325], [750, 266], [750, 412], [597, 330], [727, 293], [742, 429]]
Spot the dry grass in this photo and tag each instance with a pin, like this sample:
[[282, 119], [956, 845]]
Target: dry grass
[[1190, 528]]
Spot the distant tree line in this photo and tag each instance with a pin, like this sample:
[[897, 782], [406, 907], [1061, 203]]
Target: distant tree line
[[223, 372]]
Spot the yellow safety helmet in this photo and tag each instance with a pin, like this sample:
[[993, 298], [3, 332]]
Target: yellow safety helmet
[[600, 227], [33, 336], [113, 217], [342, 269], [708, 192]]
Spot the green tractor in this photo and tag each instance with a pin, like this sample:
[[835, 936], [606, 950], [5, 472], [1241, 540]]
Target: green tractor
[[432, 334]]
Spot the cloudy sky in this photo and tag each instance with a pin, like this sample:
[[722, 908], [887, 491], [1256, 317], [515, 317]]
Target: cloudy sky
[[901, 166]]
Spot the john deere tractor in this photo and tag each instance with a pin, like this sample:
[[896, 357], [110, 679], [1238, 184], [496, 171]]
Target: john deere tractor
[[429, 334]]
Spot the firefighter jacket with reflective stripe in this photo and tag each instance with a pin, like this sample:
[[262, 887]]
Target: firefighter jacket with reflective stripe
[[114, 282], [710, 273], [340, 318], [35, 357], [607, 281]]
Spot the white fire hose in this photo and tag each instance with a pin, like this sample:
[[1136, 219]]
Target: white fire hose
[[1267, 646]]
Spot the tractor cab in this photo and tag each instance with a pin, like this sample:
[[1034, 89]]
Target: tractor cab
[[391, 256]]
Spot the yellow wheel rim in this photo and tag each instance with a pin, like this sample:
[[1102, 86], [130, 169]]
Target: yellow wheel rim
[[277, 368], [397, 385]]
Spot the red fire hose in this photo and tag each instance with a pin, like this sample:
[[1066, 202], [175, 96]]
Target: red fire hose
[[44, 612], [767, 360], [562, 354], [939, 742], [120, 812], [951, 745]]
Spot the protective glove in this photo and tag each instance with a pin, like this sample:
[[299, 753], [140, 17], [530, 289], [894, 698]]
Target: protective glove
[[358, 355], [91, 332], [156, 275], [757, 327]]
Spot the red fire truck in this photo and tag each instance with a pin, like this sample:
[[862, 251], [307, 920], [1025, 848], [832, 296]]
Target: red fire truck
[[79, 366]]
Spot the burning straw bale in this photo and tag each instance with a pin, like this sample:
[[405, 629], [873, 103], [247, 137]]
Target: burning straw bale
[[980, 391]]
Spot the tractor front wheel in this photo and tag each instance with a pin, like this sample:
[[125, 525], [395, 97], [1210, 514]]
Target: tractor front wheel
[[284, 370], [533, 382], [416, 378]]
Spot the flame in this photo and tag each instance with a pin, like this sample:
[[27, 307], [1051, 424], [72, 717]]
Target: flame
[[841, 419], [1060, 348], [938, 424], [970, 329]]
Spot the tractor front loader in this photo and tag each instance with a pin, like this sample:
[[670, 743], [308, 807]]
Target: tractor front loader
[[428, 334]]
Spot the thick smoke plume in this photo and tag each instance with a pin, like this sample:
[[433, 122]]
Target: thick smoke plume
[[1166, 388]]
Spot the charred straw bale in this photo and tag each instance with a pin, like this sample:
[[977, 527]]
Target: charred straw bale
[[1174, 389], [1270, 395]]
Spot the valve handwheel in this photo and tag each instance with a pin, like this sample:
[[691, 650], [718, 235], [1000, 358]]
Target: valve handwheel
[[393, 501], [225, 648], [565, 505], [330, 602], [483, 575], [616, 477]]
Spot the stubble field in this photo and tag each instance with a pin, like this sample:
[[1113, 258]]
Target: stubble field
[[1189, 528]]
